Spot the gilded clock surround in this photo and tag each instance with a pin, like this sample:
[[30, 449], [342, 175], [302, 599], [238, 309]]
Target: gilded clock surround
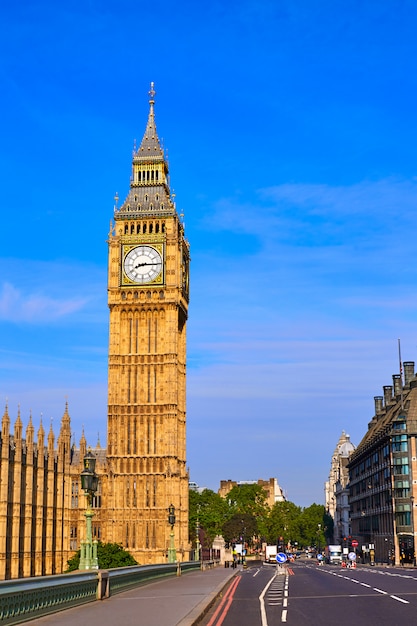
[[157, 278]]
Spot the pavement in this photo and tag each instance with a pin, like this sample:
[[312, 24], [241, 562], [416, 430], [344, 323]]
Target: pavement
[[177, 601]]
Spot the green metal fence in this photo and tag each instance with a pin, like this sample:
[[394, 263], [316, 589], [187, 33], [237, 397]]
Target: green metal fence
[[24, 599]]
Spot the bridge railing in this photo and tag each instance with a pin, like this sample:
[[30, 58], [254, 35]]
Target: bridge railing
[[23, 599]]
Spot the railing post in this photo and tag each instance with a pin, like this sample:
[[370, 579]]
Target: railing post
[[103, 584]]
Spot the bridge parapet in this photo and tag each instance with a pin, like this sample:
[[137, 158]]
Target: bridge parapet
[[23, 599]]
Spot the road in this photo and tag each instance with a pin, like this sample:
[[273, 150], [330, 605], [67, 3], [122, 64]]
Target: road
[[306, 594]]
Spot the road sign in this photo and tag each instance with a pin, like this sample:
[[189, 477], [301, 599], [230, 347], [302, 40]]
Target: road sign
[[354, 543], [352, 556], [281, 557]]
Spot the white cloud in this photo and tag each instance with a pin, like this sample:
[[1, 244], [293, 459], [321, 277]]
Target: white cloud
[[37, 308]]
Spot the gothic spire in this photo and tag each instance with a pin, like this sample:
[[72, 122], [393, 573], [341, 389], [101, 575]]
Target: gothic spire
[[150, 147], [149, 192]]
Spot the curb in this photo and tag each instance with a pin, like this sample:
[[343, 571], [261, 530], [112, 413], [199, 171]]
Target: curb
[[198, 612]]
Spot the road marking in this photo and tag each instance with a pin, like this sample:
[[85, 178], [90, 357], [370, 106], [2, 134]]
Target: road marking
[[380, 591], [400, 599], [264, 620], [224, 605], [284, 616]]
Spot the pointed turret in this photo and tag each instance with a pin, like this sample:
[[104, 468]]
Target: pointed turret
[[51, 440], [5, 424], [18, 427], [30, 432], [149, 192]]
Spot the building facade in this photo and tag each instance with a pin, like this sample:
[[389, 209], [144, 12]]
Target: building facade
[[41, 503], [143, 470], [273, 491], [383, 475], [337, 489]]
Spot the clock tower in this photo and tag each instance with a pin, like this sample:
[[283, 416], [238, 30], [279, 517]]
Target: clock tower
[[148, 301]]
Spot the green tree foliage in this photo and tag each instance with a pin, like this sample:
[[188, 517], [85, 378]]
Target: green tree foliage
[[283, 521], [211, 511], [108, 554], [313, 525], [247, 502], [248, 499], [240, 527], [245, 512]]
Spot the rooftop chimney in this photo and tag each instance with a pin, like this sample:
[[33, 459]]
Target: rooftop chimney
[[396, 379], [408, 372], [387, 394], [379, 404]]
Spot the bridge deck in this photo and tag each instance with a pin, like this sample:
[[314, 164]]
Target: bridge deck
[[177, 601]]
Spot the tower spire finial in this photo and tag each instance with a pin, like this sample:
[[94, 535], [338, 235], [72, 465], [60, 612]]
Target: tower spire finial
[[152, 93]]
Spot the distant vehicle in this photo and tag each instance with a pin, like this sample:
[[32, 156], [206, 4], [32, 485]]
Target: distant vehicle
[[333, 554], [270, 554]]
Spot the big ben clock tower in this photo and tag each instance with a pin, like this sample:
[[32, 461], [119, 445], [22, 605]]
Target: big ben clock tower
[[148, 302]]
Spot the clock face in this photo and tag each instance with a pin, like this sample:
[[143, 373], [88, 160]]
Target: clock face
[[143, 264]]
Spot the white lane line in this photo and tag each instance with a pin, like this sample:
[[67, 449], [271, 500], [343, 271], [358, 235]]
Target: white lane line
[[400, 599], [284, 616], [264, 621], [380, 591], [365, 585]]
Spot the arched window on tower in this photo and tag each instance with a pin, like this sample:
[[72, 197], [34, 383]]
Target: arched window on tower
[[144, 229]]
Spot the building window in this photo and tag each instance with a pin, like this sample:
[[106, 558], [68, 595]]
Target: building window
[[399, 443]]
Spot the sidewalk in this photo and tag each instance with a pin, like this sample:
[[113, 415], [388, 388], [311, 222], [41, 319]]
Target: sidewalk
[[176, 601]]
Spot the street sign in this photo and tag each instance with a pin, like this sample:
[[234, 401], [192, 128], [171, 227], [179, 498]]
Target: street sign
[[281, 557], [352, 556], [354, 543]]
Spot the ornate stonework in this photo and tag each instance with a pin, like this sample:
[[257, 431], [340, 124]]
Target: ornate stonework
[[148, 301]]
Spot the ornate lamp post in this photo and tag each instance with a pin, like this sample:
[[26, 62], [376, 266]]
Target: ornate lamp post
[[197, 535], [89, 483], [172, 555]]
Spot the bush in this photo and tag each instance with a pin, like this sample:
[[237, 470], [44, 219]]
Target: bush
[[109, 555]]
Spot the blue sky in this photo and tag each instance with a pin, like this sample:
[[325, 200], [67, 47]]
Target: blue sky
[[291, 133]]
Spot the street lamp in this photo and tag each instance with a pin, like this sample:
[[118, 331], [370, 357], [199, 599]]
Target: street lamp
[[172, 555], [89, 483], [197, 535]]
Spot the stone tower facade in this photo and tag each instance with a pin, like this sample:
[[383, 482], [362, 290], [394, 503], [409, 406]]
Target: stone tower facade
[[148, 292]]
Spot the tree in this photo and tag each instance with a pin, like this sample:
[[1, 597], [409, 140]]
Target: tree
[[283, 521], [248, 499], [210, 510], [108, 554], [242, 527], [313, 525]]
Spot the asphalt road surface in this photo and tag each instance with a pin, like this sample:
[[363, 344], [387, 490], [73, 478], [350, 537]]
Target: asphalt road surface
[[304, 593]]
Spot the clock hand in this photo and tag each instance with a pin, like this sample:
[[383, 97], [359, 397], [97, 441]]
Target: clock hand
[[143, 264]]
